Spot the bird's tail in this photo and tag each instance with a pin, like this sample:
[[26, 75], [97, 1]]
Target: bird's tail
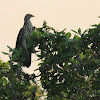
[[28, 59]]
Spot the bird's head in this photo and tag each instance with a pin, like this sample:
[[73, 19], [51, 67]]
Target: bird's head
[[28, 16]]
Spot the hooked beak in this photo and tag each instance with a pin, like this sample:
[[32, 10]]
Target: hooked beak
[[33, 16]]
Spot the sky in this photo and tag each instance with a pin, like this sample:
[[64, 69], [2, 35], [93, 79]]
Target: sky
[[60, 14]]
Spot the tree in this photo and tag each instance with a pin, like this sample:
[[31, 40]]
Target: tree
[[15, 84], [70, 67]]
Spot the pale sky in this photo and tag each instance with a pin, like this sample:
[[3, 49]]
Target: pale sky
[[60, 14]]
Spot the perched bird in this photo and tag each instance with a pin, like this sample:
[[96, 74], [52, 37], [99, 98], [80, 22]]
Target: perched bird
[[26, 30]]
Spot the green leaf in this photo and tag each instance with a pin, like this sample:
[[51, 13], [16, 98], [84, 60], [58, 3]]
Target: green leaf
[[5, 53], [44, 24], [82, 56], [68, 34], [79, 31], [74, 31], [95, 25], [33, 81], [10, 49], [38, 55], [85, 31], [63, 31]]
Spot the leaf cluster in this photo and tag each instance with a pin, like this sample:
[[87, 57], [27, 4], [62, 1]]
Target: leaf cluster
[[70, 67], [15, 84]]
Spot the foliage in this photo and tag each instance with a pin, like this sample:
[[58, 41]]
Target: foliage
[[16, 84], [69, 68]]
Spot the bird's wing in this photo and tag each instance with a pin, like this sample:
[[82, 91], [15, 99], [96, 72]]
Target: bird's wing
[[19, 38], [27, 62]]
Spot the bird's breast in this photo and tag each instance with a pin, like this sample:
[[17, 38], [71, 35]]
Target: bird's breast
[[28, 28]]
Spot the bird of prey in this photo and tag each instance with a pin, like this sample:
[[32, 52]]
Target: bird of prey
[[25, 31]]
